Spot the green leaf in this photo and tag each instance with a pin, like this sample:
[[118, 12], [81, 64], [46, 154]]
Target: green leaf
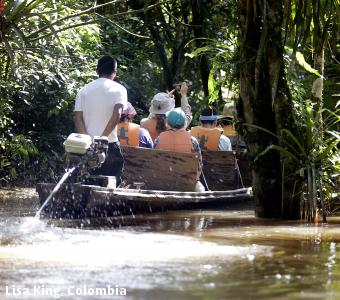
[[13, 172], [261, 128], [329, 150], [198, 51], [17, 12], [294, 138], [302, 62], [278, 148], [33, 5], [335, 134], [23, 151]]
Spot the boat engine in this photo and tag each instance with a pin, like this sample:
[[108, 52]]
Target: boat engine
[[85, 153]]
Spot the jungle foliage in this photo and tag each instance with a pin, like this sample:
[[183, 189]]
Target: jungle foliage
[[276, 55]]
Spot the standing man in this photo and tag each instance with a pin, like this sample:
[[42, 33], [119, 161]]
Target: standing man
[[97, 112]]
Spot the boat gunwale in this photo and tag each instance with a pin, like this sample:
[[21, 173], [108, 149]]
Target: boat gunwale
[[121, 191]]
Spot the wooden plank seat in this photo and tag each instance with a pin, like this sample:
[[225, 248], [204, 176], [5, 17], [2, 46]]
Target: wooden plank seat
[[219, 170], [158, 169]]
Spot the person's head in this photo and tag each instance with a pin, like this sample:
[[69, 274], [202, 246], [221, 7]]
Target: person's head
[[161, 103], [229, 112], [128, 114], [176, 118], [107, 67], [208, 117]]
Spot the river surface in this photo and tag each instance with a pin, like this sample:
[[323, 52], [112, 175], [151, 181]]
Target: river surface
[[201, 254]]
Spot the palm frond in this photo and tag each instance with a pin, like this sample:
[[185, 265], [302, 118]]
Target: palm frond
[[278, 148]]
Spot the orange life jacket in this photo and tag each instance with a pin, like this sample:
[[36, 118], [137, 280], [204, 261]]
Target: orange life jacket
[[208, 138], [176, 141], [150, 125], [128, 134]]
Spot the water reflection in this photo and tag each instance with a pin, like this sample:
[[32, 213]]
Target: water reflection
[[210, 254]]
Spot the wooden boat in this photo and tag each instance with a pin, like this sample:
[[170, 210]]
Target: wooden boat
[[154, 180]]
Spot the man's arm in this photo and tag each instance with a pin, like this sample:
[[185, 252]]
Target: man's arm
[[79, 122], [184, 103], [114, 120]]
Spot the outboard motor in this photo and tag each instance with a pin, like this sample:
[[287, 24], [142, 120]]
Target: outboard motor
[[85, 153]]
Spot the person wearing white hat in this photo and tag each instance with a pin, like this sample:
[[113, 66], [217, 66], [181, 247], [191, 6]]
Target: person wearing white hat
[[161, 104]]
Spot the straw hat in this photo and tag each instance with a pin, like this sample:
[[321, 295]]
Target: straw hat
[[161, 103], [229, 111]]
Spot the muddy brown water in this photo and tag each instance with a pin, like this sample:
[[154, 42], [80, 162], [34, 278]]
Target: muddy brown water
[[218, 253]]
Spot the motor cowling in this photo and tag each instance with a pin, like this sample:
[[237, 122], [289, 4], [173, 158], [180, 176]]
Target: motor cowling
[[85, 152]]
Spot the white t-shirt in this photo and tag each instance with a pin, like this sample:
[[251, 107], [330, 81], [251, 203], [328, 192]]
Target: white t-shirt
[[96, 100], [224, 144]]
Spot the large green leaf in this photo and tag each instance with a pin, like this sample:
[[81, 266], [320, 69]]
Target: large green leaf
[[198, 51], [302, 62]]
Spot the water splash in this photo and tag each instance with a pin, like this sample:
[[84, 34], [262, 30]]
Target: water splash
[[119, 247], [17, 231], [56, 188], [31, 225]]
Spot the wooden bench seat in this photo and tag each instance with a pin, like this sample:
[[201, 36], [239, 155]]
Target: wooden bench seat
[[168, 171], [219, 170], [159, 169]]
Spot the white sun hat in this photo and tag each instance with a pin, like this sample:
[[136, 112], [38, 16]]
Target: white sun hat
[[161, 103]]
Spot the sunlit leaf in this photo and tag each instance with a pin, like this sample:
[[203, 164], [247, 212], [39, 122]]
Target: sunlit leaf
[[302, 62], [198, 51]]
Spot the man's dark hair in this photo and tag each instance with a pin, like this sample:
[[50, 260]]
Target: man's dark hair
[[208, 112], [106, 65]]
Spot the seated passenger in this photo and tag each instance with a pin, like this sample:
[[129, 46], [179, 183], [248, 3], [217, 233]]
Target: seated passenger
[[177, 139], [131, 134], [208, 135], [226, 121], [160, 105]]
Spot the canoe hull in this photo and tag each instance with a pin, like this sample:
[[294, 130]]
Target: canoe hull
[[86, 201], [167, 180]]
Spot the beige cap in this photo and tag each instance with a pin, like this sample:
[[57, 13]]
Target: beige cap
[[161, 103], [229, 111]]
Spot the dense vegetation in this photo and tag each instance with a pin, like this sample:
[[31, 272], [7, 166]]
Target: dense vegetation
[[278, 56]]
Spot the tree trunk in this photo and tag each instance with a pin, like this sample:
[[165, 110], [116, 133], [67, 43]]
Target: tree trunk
[[197, 20], [319, 36], [265, 102]]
